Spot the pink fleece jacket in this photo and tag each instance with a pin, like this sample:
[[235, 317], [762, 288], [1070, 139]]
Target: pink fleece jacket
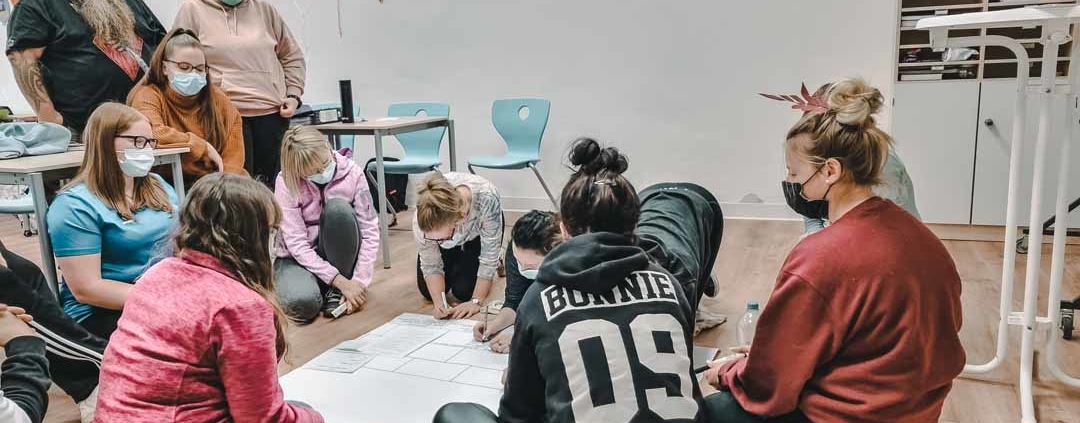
[[196, 346], [300, 223]]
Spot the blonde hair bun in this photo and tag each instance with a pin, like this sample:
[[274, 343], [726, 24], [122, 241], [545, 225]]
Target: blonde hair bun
[[854, 102]]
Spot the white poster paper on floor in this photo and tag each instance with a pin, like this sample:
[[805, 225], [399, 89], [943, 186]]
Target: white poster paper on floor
[[398, 342], [460, 339], [432, 369], [431, 362], [386, 363], [339, 361], [436, 352], [481, 377], [481, 358]]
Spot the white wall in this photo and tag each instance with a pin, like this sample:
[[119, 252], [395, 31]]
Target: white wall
[[671, 83]]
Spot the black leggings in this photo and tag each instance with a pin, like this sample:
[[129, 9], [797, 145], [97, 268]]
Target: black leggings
[[74, 353], [681, 226], [301, 293], [262, 146], [460, 264], [102, 322]]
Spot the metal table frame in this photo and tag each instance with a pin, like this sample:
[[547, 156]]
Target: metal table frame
[[380, 128], [36, 177]]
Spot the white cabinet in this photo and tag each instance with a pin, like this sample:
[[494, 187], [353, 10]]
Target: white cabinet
[[934, 127], [992, 157], [959, 163]]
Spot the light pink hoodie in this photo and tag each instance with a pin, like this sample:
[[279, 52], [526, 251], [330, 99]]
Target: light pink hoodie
[[251, 53], [300, 223]]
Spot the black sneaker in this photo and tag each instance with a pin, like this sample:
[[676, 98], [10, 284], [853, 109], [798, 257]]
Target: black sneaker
[[331, 302]]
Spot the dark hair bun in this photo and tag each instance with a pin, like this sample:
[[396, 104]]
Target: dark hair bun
[[589, 158]]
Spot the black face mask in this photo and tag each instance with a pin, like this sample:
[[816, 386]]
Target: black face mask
[[813, 209]]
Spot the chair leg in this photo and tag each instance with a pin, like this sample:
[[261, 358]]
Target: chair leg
[[544, 184], [389, 206], [471, 170]]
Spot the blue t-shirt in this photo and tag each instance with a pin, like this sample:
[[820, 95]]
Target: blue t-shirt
[[81, 224]]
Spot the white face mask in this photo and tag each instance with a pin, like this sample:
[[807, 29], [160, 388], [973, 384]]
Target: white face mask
[[529, 274], [326, 175], [137, 162]]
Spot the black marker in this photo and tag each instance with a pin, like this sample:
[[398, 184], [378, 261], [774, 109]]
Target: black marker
[[720, 360], [488, 338]]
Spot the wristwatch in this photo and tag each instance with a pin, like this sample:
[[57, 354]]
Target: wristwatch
[[475, 301], [299, 102]]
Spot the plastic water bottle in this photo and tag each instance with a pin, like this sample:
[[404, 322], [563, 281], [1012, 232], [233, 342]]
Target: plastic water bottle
[[744, 332]]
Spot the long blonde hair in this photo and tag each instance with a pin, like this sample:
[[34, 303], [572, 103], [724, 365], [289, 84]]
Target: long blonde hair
[[101, 167], [846, 132], [438, 203], [304, 151], [230, 217]]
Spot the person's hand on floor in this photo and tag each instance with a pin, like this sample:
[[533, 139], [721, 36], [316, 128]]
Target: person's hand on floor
[[440, 312], [479, 332], [501, 342], [353, 293], [13, 324], [464, 310]]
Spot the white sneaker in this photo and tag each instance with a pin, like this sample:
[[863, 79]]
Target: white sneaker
[[88, 407]]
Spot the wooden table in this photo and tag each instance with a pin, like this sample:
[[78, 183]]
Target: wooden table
[[34, 171], [379, 127]]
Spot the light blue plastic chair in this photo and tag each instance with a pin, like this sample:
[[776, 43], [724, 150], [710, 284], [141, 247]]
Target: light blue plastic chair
[[22, 207], [522, 136], [345, 141], [421, 147]]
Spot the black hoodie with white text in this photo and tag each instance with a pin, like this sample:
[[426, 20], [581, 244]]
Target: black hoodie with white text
[[602, 335]]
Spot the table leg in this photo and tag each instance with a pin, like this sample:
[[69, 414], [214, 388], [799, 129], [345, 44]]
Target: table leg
[[384, 230], [453, 147], [178, 178], [41, 208]]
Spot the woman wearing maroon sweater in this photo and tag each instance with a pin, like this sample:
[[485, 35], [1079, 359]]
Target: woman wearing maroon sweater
[[862, 323], [201, 333]]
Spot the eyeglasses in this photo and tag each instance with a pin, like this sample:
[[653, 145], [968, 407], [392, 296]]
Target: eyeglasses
[[140, 141], [452, 230], [187, 67]]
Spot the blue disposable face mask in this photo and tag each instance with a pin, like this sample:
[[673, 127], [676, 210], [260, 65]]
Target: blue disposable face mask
[[188, 84], [529, 274], [324, 177], [231, 2]]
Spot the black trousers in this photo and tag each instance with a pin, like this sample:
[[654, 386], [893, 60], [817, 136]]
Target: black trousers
[[459, 266], [74, 353], [720, 407], [262, 146], [681, 226], [102, 322]]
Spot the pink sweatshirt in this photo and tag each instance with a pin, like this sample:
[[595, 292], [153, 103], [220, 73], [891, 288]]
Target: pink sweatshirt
[[196, 346], [251, 52], [300, 223]]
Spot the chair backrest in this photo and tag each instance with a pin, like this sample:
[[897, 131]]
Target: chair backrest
[[522, 135], [424, 143]]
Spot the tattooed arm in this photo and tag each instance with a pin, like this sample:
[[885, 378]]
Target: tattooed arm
[[28, 75]]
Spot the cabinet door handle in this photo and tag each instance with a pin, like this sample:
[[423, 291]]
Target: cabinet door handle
[[988, 122]]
